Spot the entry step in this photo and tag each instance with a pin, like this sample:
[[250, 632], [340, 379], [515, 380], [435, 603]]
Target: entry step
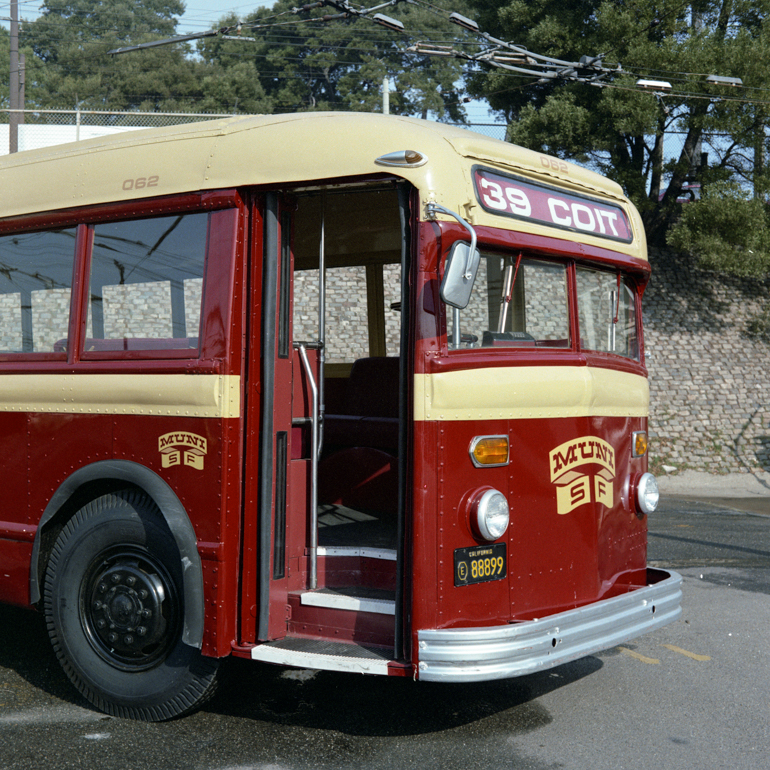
[[323, 655], [353, 598]]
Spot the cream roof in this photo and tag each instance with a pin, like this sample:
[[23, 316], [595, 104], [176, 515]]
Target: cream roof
[[281, 149]]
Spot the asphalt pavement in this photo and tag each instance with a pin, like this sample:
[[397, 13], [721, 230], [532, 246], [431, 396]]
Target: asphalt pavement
[[690, 695]]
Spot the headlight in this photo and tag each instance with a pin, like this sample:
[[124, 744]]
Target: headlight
[[491, 514], [647, 494]]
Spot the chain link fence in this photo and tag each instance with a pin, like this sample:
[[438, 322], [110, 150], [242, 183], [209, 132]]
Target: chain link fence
[[45, 128]]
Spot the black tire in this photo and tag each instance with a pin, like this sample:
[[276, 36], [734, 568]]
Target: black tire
[[114, 607]]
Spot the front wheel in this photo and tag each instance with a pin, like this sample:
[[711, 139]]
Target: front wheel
[[114, 607]]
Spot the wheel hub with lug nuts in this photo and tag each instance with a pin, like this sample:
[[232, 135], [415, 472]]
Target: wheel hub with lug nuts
[[126, 610]]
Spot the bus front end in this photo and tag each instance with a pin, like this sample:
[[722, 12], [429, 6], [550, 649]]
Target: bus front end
[[532, 489]]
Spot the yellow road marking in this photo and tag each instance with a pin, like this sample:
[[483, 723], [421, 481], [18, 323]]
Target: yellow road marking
[[692, 655], [638, 656]]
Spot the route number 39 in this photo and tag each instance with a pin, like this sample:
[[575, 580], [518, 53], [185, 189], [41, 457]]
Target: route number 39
[[140, 182]]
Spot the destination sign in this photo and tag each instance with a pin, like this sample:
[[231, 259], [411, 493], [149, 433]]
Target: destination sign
[[510, 196]]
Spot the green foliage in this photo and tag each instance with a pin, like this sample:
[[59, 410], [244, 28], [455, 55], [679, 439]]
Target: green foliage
[[300, 61], [303, 62], [726, 231], [759, 326], [621, 129], [68, 65]]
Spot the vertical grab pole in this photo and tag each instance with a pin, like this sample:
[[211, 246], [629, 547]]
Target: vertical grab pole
[[313, 566]]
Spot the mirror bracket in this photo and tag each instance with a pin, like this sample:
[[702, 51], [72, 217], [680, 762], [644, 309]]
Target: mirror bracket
[[431, 209]]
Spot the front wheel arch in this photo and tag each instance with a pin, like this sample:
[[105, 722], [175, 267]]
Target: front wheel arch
[[112, 475]]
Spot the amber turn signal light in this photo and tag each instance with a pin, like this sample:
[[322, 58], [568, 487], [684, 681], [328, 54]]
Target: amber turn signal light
[[640, 443], [489, 451]]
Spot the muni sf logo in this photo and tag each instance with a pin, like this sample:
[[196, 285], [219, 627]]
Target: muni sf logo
[[574, 487], [182, 448]]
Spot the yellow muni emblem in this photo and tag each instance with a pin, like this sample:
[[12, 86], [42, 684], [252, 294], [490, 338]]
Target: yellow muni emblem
[[575, 488], [180, 448]]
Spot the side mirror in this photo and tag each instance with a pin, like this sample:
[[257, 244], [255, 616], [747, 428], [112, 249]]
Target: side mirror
[[462, 264]]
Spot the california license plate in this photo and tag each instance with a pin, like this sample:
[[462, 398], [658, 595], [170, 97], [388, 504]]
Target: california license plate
[[479, 564]]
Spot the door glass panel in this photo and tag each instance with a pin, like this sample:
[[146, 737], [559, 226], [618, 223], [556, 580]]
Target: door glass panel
[[347, 330], [391, 276]]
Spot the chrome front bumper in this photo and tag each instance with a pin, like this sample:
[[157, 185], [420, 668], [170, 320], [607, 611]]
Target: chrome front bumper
[[500, 652]]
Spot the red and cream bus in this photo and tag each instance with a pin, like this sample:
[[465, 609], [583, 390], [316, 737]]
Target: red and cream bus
[[338, 391]]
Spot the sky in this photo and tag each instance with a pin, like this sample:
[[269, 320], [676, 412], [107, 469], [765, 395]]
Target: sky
[[199, 16], [203, 14]]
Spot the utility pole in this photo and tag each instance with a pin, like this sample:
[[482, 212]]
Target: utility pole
[[386, 95], [15, 117]]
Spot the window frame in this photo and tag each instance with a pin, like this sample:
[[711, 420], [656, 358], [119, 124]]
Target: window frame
[[627, 280], [220, 244], [551, 355], [42, 356], [143, 354], [569, 274]]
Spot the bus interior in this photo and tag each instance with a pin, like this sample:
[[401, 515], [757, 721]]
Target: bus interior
[[356, 310]]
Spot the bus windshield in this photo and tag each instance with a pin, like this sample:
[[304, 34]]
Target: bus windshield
[[524, 302]]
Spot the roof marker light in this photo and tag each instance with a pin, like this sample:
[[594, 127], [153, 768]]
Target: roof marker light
[[402, 159]]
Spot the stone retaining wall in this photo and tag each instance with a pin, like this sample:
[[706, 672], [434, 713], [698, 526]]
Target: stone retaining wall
[[709, 379]]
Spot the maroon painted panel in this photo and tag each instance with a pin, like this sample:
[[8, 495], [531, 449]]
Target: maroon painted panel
[[575, 535], [560, 554], [14, 579]]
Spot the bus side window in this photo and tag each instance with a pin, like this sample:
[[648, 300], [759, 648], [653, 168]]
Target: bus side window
[[146, 284], [35, 290]]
